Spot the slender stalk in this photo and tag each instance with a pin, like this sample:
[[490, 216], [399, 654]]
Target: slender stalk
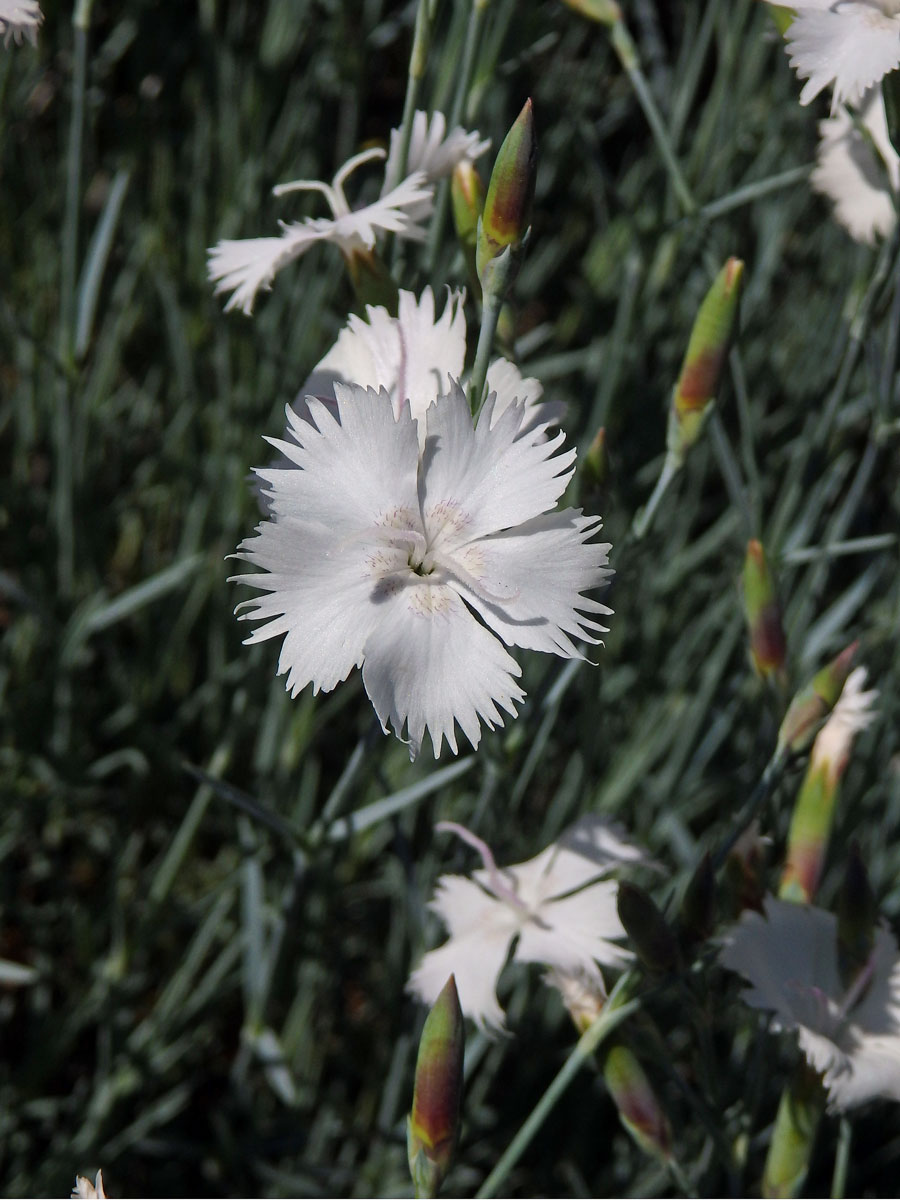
[[761, 793], [841, 1160], [64, 498], [417, 60], [612, 1015], [627, 53], [490, 314], [474, 31], [644, 516]]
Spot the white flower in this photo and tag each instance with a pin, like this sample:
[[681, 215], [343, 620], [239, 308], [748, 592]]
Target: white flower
[[557, 907], [243, 267], [850, 43], [432, 149], [862, 181], [414, 564], [19, 19], [85, 1190], [852, 713], [790, 959], [414, 357]]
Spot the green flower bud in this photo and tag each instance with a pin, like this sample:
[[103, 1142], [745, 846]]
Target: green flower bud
[[639, 1109], [433, 1124], [708, 346], [648, 929], [507, 207], [767, 644], [595, 465], [790, 1149], [372, 281], [467, 196]]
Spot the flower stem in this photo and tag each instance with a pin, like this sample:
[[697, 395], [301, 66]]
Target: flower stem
[[490, 314], [841, 1160], [466, 70], [417, 59], [627, 53], [644, 516], [616, 1010]]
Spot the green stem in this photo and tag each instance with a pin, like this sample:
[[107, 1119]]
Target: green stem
[[761, 793], [467, 67], [612, 1015], [490, 314], [417, 60], [841, 1160], [644, 516], [627, 54]]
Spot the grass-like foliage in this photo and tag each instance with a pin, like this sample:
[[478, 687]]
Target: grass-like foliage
[[212, 894]]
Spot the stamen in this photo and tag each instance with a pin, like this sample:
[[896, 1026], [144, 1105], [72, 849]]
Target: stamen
[[500, 889]]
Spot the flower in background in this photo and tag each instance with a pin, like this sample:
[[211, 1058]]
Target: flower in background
[[244, 266], [417, 564], [414, 357], [19, 19], [432, 149], [85, 1190], [850, 43], [852, 1035], [859, 169], [558, 909]]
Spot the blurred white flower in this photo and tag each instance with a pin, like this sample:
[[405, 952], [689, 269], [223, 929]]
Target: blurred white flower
[[414, 357], [432, 149], [415, 564], [861, 177], [244, 266], [853, 712], [790, 957], [85, 1190], [19, 19], [850, 43], [558, 909]]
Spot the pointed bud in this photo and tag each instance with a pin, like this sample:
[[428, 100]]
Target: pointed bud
[[648, 929], [639, 1109], [606, 12], [814, 811], [433, 1125], [767, 644], [698, 906], [791, 1144], [710, 340], [812, 704], [857, 918], [467, 194], [507, 207]]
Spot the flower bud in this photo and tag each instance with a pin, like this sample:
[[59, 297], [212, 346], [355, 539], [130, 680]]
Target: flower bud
[[767, 644], [814, 811], [782, 16], [648, 929], [857, 917], [583, 994], [709, 342], [507, 207], [639, 1109], [790, 1148], [467, 196], [812, 704], [433, 1125]]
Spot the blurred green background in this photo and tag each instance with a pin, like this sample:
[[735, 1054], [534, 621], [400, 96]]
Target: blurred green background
[[216, 1006]]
